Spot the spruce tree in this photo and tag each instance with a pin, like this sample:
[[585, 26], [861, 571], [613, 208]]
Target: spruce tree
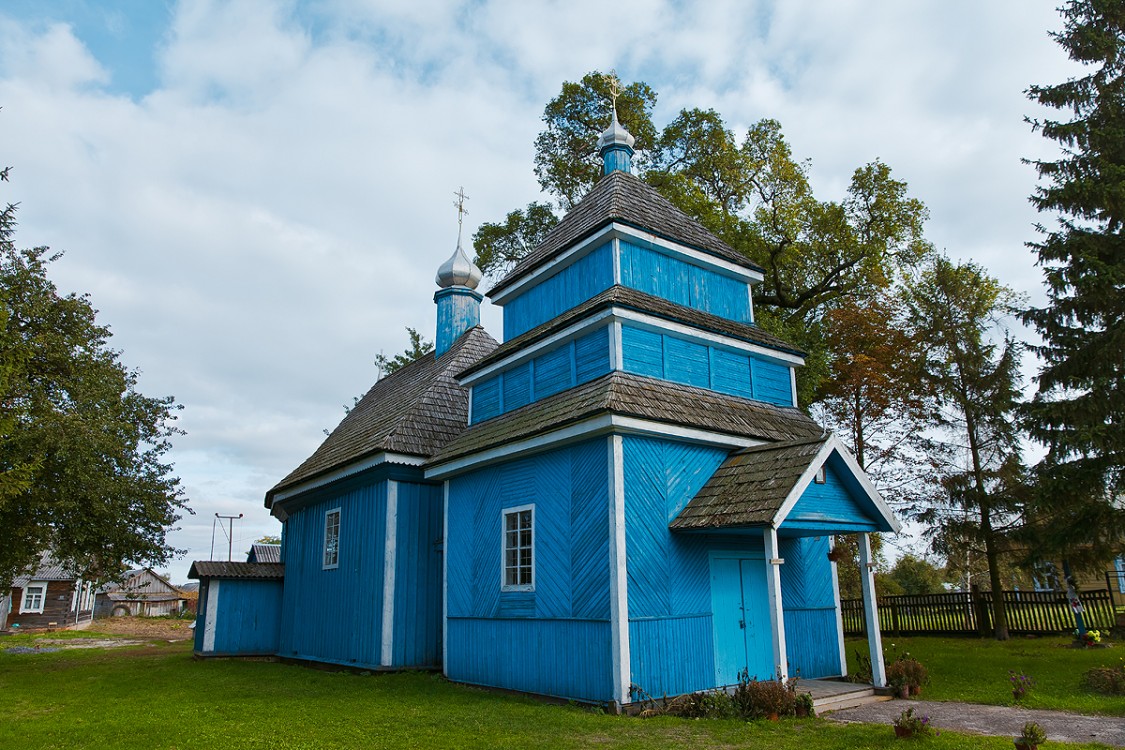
[[1079, 410]]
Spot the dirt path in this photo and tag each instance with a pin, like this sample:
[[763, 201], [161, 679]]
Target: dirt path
[[148, 628], [998, 721]]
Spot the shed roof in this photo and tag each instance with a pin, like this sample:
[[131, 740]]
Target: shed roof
[[244, 570], [632, 395], [632, 299], [620, 196], [265, 553], [750, 486], [414, 410]]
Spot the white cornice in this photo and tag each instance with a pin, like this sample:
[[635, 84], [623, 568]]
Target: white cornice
[[662, 325], [347, 470]]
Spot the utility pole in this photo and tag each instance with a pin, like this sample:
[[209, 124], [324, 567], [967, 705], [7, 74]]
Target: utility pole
[[230, 533]]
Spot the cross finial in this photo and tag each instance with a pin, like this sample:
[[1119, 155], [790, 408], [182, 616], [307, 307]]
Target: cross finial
[[614, 88], [461, 210]]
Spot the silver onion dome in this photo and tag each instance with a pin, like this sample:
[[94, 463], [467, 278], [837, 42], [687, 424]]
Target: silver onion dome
[[615, 135], [458, 271]]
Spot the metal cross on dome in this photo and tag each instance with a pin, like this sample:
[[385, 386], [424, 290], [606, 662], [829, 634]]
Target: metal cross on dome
[[614, 86], [461, 210]]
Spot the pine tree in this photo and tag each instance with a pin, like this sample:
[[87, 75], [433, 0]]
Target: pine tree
[[1079, 410]]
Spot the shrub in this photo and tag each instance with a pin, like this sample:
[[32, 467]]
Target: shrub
[[908, 672], [1105, 680], [756, 699], [1033, 734], [912, 724], [704, 705]]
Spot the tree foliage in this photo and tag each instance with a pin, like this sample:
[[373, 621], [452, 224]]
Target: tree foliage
[[1079, 410], [418, 347], [972, 384], [82, 451], [916, 575], [499, 246]]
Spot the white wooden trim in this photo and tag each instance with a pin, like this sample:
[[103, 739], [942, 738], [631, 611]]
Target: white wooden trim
[[531, 351], [839, 609], [777, 610], [636, 236], [871, 611], [352, 468], [24, 610], [390, 563], [211, 618], [658, 324], [585, 429], [618, 574], [803, 481], [616, 261], [793, 385], [868, 488], [503, 547], [614, 345], [445, 578]]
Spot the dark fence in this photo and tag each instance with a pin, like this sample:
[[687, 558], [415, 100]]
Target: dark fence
[[970, 613]]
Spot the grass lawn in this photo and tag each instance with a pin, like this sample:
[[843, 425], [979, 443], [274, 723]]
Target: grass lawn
[[976, 670], [157, 696]]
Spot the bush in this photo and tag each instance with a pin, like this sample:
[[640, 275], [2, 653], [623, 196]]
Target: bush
[[907, 672], [1105, 680], [758, 699], [704, 705]]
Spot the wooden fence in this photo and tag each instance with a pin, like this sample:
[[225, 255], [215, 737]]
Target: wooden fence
[[970, 613]]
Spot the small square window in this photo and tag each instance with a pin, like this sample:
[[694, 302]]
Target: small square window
[[332, 538], [34, 595], [821, 475], [519, 546]]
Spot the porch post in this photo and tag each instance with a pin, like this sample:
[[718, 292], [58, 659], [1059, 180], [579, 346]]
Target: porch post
[[777, 612], [871, 611]]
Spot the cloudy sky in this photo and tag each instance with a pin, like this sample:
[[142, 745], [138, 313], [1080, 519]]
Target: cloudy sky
[[257, 194]]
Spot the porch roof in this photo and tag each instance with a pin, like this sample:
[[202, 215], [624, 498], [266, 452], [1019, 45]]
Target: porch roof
[[761, 485]]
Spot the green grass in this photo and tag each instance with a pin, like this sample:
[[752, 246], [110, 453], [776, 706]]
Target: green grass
[[975, 670], [156, 696]]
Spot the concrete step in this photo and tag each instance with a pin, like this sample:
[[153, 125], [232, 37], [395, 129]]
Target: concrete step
[[848, 700]]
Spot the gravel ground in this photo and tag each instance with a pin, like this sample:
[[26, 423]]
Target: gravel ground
[[999, 721]]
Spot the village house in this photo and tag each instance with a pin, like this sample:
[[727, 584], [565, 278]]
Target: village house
[[141, 592], [48, 596], [622, 495]]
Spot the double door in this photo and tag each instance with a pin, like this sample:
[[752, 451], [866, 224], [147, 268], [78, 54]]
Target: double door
[[741, 618]]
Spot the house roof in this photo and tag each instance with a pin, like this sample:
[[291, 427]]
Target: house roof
[[632, 395], [128, 587], [245, 570], [265, 553], [750, 486], [414, 410], [623, 197], [631, 299], [47, 569]]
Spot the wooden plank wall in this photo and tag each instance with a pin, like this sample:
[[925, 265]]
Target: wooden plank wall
[[687, 284], [554, 295]]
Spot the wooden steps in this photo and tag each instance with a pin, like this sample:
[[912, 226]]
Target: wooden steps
[[849, 699]]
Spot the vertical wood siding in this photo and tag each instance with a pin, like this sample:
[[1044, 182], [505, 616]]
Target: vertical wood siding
[[556, 294], [811, 642], [658, 355], [564, 658], [684, 283], [417, 610], [832, 505], [249, 618], [336, 615], [570, 490], [458, 310], [672, 655], [573, 362]]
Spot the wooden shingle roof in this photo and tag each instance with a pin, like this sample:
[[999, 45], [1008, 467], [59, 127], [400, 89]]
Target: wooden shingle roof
[[415, 411], [622, 197], [632, 395], [632, 299], [244, 570], [749, 487]]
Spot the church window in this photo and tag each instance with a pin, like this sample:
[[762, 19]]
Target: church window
[[332, 539], [519, 549]]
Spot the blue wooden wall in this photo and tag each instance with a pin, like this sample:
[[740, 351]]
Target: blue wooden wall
[[417, 609], [458, 310], [573, 362], [336, 615], [697, 363], [670, 626], [556, 294], [835, 506], [684, 283], [811, 638], [555, 639], [248, 618]]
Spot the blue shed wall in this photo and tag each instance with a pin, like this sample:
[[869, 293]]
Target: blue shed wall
[[573, 362], [684, 283], [811, 635], [556, 294], [554, 640], [249, 617], [335, 615], [417, 608], [670, 624], [660, 355]]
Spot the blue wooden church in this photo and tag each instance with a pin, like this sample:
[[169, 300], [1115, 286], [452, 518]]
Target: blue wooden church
[[621, 496]]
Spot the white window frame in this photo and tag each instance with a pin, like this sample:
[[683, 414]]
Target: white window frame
[[504, 585], [325, 565], [24, 608], [821, 476]]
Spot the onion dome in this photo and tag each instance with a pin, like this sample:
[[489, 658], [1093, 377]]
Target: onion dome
[[458, 271], [615, 135]]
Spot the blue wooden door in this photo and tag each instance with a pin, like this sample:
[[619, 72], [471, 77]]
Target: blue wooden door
[[741, 619]]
